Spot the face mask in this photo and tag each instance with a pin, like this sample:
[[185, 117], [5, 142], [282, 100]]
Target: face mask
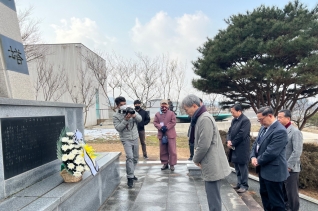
[[137, 107], [164, 109], [123, 107]]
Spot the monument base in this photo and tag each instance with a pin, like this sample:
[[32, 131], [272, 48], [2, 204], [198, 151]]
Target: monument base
[[28, 132], [53, 194]]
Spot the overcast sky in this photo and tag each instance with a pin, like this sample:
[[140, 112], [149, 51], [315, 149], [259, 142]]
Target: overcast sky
[[153, 27]]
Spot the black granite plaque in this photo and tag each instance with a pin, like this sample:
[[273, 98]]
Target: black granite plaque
[[29, 142]]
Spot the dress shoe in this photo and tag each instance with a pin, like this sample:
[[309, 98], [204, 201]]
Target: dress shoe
[[130, 182], [165, 166], [135, 178], [190, 158], [241, 190], [172, 168], [236, 187]]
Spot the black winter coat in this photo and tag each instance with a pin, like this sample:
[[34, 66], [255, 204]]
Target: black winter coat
[[145, 119], [239, 135]]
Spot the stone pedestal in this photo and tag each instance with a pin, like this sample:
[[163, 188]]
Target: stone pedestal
[[194, 170], [14, 75], [28, 157]]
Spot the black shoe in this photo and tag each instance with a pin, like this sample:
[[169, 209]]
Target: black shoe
[[241, 190], [236, 187], [146, 157], [190, 158], [130, 182], [135, 178], [165, 166]]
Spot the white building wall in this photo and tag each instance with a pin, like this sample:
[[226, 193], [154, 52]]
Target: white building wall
[[68, 57]]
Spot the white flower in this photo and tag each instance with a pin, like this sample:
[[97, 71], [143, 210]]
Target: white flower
[[86, 168], [79, 160], [69, 134], [70, 141], [65, 147], [77, 174], [75, 152], [78, 146], [71, 156], [79, 168], [65, 139], [70, 166], [64, 157], [71, 146]]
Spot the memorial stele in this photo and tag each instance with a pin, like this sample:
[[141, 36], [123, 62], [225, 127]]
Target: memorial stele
[[15, 81]]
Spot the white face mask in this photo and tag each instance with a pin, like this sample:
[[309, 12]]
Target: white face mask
[[123, 107]]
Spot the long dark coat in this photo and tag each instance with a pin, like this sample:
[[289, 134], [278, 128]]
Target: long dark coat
[[239, 134]]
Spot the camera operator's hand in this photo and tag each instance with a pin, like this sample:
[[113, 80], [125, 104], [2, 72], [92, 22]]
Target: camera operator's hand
[[128, 116], [133, 116]]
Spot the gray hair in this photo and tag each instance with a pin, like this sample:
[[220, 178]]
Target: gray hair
[[189, 100]]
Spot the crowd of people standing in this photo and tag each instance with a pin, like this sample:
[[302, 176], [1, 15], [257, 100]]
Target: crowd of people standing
[[275, 152]]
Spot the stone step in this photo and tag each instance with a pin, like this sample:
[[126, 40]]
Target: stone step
[[52, 193]]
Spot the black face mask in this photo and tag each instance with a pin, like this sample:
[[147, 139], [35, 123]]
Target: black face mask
[[137, 107]]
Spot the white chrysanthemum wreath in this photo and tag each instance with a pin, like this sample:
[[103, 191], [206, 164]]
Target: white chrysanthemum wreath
[[71, 154]]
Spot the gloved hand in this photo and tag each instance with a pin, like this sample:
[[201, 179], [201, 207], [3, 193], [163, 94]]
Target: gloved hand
[[164, 129]]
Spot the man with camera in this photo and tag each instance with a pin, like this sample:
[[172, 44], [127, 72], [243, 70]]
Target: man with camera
[[125, 121], [141, 126]]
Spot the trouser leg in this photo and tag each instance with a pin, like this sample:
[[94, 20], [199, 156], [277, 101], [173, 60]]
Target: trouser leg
[[191, 147], [242, 175], [164, 154], [291, 190], [212, 189], [142, 142], [172, 150], [132, 150], [272, 195]]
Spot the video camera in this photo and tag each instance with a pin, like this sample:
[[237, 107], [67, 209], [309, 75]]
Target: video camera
[[128, 110]]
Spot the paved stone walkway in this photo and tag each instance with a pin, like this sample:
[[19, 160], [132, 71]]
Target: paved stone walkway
[[166, 190]]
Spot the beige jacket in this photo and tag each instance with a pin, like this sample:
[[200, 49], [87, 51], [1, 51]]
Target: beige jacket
[[209, 150]]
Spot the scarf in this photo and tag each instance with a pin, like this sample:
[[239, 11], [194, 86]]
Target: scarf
[[286, 126], [194, 120]]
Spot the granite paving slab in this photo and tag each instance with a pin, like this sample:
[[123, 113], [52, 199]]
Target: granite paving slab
[[167, 190], [42, 186], [42, 204], [16, 203]]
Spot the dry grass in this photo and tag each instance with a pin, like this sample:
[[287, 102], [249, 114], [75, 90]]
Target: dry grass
[[100, 145]]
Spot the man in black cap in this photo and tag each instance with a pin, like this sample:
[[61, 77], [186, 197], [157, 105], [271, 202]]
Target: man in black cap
[[141, 126]]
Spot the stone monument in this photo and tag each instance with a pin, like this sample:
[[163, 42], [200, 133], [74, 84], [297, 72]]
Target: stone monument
[[14, 75], [29, 169]]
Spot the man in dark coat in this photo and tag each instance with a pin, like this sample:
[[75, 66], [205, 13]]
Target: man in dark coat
[[238, 140], [141, 126], [170, 105]]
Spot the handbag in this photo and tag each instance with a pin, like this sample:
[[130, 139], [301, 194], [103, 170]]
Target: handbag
[[164, 139]]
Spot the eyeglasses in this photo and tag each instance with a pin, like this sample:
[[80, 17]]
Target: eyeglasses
[[259, 120]]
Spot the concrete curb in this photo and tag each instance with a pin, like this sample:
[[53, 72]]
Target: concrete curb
[[302, 196]]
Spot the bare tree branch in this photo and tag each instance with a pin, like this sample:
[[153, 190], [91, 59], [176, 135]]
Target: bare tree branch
[[49, 83], [83, 90], [31, 35]]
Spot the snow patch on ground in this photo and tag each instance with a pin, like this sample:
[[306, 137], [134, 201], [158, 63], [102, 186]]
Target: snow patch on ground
[[99, 133]]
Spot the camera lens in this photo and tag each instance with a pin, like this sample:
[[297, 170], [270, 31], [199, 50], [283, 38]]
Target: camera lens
[[130, 110]]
